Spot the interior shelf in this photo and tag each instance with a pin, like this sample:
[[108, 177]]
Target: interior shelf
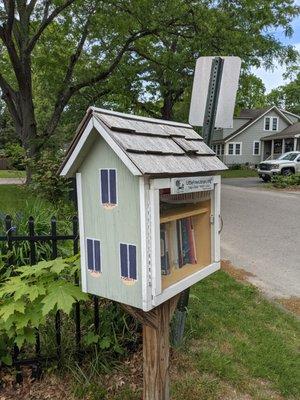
[[182, 212]]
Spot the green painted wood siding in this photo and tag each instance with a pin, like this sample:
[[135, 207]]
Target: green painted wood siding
[[112, 227]]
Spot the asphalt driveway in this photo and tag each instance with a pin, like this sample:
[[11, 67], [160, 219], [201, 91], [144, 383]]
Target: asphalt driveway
[[244, 182], [262, 235]]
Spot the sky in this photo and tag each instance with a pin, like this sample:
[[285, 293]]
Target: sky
[[273, 79]]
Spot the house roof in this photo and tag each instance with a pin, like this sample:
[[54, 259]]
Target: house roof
[[289, 132], [252, 116], [150, 146]]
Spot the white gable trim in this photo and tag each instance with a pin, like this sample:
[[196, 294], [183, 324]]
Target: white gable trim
[[93, 123], [257, 119], [290, 113], [69, 164]]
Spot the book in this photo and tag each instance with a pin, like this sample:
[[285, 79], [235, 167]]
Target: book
[[185, 241], [164, 256], [179, 243], [193, 257]]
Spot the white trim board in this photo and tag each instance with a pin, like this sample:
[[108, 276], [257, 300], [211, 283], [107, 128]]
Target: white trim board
[[185, 283], [81, 234]]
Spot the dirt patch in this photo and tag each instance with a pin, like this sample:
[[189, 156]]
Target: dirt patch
[[292, 304], [237, 273]]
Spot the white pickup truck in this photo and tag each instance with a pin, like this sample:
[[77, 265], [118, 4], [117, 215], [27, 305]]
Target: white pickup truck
[[286, 164]]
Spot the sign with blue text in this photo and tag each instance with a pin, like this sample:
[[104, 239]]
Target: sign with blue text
[[191, 184]]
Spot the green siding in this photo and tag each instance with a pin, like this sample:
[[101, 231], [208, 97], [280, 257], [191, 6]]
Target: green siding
[[112, 227]]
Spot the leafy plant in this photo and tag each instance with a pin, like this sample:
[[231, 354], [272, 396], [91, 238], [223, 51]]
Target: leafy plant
[[282, 182], [17, 155], [32, 294], [45, 179]]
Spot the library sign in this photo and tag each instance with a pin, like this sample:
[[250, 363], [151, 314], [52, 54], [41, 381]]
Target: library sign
[[191, 184]]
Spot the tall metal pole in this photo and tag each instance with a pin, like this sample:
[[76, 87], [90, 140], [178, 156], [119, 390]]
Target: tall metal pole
[[207, 132]]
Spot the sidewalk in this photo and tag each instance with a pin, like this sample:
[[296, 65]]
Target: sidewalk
[[12, 181]]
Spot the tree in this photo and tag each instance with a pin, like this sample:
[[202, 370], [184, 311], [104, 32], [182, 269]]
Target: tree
[[87, 40], [287, 96], [251, 93], [162, 86]]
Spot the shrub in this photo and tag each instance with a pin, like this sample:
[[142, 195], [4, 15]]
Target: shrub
[[45, 179], [282, 182], [17, 155], [235, 167]]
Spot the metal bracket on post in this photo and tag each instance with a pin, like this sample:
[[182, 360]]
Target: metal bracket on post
[[212, 99]]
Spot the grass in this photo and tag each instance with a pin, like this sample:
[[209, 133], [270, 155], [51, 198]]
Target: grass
[[239, 173], [14, 197], [238, 346], [12, 174]]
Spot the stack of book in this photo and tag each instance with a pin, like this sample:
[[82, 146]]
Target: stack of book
[[177, 244]]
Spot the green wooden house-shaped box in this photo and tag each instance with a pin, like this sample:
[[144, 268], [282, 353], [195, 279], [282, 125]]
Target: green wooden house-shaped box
[[149, 206]]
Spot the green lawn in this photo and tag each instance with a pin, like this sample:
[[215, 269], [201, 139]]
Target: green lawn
[[12, 174], [13, 198], [238, 346], [239, 173]]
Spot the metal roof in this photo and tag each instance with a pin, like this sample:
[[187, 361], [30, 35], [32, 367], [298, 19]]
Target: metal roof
[[154, 146]]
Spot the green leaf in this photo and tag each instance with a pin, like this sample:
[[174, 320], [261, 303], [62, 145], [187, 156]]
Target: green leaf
[[7, 359], [91, 338], [62, 295], [105, 343], [8, 309], [58, 266], [36, 291]]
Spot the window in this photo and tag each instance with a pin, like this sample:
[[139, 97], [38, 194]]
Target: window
[[108, 187], [231, 148], [271, 123], [235, 148], [256, 148], [222, 149], [267, 124], [93, 255], [128, 262]]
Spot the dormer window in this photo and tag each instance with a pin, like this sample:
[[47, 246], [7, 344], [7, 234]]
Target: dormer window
[[108, 188], [271, 124]]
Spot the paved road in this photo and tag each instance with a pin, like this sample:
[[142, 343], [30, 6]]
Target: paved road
[[244, 182], [262, 235]]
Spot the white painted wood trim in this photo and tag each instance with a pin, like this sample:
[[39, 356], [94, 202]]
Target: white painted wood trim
[[155, 242], [185, 283], [217, 223], [259, 147], [81, 234], [160, 183], [140, 118], [120, 153], [77, 149], [146, 292]]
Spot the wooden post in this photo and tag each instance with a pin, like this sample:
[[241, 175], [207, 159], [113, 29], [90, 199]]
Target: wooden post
[[156, 348]]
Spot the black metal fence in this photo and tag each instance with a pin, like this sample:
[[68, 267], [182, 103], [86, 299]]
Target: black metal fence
[[53, 238]]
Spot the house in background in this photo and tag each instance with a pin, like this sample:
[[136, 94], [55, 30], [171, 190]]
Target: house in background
[[257, 135]]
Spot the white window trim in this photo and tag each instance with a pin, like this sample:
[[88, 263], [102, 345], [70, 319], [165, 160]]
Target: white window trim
[[271, 124], [259, 147], [234, 149]]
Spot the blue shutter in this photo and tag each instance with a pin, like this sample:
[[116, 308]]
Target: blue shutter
[[124, 260], [132, 261], [112, 186], [104, 186], [97, 255], [90, 254]]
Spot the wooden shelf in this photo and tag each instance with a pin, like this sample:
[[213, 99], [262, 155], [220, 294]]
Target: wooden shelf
[[182, 212]]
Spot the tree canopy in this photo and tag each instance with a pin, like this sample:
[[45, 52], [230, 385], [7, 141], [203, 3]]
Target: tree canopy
[[57, 57]]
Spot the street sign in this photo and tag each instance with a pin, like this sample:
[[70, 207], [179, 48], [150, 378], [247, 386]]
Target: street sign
[[214, 91]]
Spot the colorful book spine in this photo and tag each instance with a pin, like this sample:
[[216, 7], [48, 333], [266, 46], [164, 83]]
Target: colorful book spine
[[164, 255]]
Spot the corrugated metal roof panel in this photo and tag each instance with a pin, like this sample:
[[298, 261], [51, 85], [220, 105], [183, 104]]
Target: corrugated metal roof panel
[[153, 164], [147, 144]]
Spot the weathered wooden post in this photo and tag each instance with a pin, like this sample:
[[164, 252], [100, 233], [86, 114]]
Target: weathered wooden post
[[148, 195]]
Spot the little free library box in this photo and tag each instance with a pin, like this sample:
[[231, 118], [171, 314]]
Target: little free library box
[[149, 206]]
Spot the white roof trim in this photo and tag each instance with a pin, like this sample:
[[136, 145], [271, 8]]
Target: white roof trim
[[290, 113], [93, 123], [140, 118], [257, 119]]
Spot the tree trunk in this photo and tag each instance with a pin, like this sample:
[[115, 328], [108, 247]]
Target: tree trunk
[[167, 108]]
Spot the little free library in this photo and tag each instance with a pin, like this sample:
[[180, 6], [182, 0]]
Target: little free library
[[149, 207], [148, 195]]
